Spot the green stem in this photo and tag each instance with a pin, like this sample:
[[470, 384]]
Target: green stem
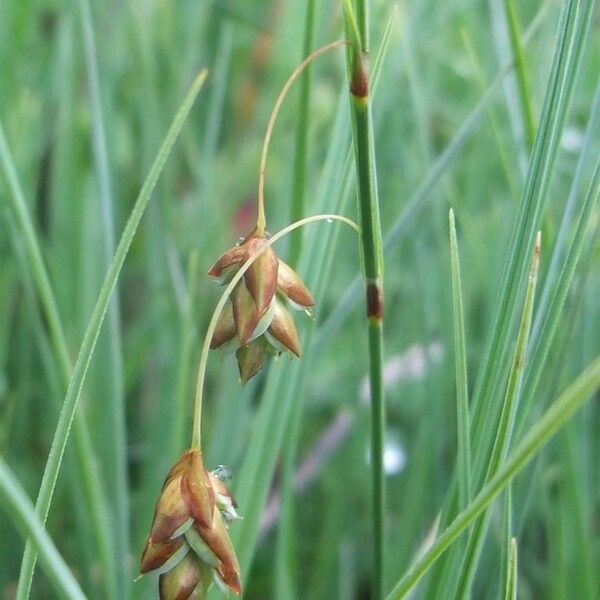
[[188, 339], [261, 221], [197, 422], [555, 417], [372, 256], [298, 190], [520, 69]]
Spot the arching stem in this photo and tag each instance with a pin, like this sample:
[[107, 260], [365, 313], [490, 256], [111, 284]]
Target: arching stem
[[260, 213], [197, 424]]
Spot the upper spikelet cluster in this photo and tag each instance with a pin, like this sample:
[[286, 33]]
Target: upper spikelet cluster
[[257, 317]]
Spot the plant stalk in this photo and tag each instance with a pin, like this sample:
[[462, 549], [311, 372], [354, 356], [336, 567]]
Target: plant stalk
[[299, 184], [261, 221], [372, 256]]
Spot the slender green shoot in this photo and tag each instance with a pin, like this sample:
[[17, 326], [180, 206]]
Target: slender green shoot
[[94, 491], [506, 423], [114, 395], [514, 31], [510, 588], [356, 24], [261, 221], [551, 321], [302, 126], [88, 344], [462, 391], [574, 24], [559, 413]]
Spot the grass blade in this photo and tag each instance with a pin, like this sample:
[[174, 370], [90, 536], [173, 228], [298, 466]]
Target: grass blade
[[514, 31], [505, 425], [559, 413], [462, 393], [94, 492], [93, 330], [572, 29], [550, 324], [22, 513], [116, 446], [511, 572]]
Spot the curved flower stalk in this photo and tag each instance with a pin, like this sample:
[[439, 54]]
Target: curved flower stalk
[[189, 545], [257, 320]]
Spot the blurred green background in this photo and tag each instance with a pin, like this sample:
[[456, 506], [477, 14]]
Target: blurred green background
[[314, 542]]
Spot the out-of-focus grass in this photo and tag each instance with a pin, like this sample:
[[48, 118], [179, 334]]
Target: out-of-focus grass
[[435, 149]]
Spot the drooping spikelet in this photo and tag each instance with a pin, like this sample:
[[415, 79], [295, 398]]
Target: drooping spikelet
[[257, 314], [189, 545]]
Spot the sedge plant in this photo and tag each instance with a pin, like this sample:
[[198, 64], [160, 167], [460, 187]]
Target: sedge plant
[[474, 494]]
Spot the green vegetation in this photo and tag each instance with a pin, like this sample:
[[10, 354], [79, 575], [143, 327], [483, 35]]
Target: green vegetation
[[130, 149]]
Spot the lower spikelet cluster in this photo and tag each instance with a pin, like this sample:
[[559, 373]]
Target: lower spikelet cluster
[[189, 545], [257, 318]]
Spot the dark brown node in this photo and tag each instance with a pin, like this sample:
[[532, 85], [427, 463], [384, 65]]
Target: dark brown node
[[359, 86], [374, 301]]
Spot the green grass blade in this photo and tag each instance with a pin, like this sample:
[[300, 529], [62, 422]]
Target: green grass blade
[[511, 572], [569, 214], [549, 324], [573, 26], [19, 507], [462, 392], [113, 392], [85, 478], [302, 126], [94, 491], [559, 413], [93, 330], [514, 31], [505, 426]]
